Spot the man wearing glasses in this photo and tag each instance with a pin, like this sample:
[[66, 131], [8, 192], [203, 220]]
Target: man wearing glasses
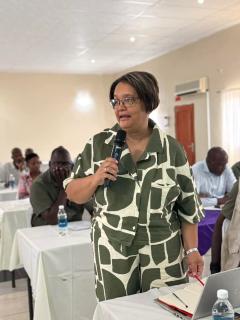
[[47, 191]]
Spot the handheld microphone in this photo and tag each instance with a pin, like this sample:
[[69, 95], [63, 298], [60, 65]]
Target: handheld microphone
[[117, 149]]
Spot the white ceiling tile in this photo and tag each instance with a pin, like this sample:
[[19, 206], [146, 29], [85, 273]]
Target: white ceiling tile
[[63, 36]]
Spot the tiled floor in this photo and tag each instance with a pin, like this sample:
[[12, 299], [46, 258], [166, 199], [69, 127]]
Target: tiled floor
[[13, 302]]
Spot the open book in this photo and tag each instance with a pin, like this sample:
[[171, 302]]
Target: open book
[[187, 302]]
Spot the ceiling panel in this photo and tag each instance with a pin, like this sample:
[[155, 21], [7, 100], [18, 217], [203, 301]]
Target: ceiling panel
[[64, 36]]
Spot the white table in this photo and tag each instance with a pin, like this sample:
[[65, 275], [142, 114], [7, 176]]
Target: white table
[[14, 215], [138, 306], [60, 269], [8, 194]]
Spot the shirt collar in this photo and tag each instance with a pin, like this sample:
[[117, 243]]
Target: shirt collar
[[155, 143]]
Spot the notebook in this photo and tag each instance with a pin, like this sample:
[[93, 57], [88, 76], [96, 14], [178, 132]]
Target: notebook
[[200, 299]]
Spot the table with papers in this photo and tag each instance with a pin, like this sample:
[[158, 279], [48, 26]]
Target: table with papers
[[14, 215], [139, 306], [8, 194], [61, 270]]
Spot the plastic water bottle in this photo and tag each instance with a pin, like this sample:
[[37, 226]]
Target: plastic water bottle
[[11, 181], [222, 308], [62, 221]]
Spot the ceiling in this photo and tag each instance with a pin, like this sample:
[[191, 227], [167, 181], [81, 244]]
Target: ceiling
[[93, 36]]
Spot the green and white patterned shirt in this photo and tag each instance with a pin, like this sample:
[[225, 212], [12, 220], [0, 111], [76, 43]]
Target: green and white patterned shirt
[[150, 198]]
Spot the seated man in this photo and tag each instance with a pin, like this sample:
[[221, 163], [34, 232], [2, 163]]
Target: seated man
[[47, 192], [227, 212], [214, 180], [16, 167]]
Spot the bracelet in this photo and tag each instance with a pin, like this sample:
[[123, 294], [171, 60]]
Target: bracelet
[[187, 252]]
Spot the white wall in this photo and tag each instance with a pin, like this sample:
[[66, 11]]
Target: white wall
[[36, 110], [216, 57]]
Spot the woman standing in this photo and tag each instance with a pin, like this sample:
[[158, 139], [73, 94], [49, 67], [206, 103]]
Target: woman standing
[[147, 218]]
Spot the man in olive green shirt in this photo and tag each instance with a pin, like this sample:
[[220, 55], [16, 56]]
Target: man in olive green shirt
[[47, 192], [227, 212]]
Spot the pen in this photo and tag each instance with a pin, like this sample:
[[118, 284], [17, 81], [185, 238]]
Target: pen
[[185, 305], [198, 279], [176, 296]]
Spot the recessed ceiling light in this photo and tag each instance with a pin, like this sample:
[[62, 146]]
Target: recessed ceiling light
[[200, 1], [132, 39], [93, 60]]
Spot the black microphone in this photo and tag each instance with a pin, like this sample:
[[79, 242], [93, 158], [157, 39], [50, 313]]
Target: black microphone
[[117, 149]]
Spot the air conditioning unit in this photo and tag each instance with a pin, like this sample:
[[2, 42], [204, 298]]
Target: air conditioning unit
[[197, 86]]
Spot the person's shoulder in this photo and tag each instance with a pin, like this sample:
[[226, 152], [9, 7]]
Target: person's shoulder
[[173, 141], [199, 164], [8, 165], [236, 165], [41, 180], [106, 135], [228, 171], [175, 146]]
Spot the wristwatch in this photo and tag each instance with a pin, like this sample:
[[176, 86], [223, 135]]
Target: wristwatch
[[189, 251]]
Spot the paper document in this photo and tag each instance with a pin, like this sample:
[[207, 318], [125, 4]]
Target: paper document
[[189, 296], [79, 225]]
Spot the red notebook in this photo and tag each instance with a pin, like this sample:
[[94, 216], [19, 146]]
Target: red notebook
[[186, 300]]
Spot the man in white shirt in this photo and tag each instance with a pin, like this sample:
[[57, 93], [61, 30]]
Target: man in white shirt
[[15, 167], [214, 180]]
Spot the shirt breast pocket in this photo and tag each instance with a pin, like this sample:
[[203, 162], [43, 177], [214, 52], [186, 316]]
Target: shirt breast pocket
[[163, 195]]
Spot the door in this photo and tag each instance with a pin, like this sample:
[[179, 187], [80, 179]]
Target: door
[[184, 127]]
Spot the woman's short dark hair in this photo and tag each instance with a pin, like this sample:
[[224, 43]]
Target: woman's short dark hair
[[30, 156], [146, 86]]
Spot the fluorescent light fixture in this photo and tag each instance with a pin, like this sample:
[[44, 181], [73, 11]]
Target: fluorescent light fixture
[[83, 101], [200, 1], [132, 39], [93, 60]]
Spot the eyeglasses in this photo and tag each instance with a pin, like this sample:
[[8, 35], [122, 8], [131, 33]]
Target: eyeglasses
[[126, 102], [62, 164]]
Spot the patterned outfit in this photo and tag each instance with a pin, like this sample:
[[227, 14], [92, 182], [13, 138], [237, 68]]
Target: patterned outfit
[[137, 229]]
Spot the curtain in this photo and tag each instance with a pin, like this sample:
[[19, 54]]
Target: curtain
[[230, 101]]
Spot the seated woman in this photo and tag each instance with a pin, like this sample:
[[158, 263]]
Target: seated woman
[[33, 163]]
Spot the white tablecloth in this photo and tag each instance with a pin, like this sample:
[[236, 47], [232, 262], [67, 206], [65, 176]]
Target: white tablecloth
[[61, 271], [138, 306], [8, 194], [14, 215]]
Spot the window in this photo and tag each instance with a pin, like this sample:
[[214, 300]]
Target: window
[[231, 123]]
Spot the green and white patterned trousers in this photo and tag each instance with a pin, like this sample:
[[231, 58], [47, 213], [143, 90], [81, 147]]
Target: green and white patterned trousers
[[122, 270]]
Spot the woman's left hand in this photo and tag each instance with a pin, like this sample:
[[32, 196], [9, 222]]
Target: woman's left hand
[[195, 264]]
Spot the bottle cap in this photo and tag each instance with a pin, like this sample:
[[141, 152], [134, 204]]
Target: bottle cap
[[222, 294], [61, 206]]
